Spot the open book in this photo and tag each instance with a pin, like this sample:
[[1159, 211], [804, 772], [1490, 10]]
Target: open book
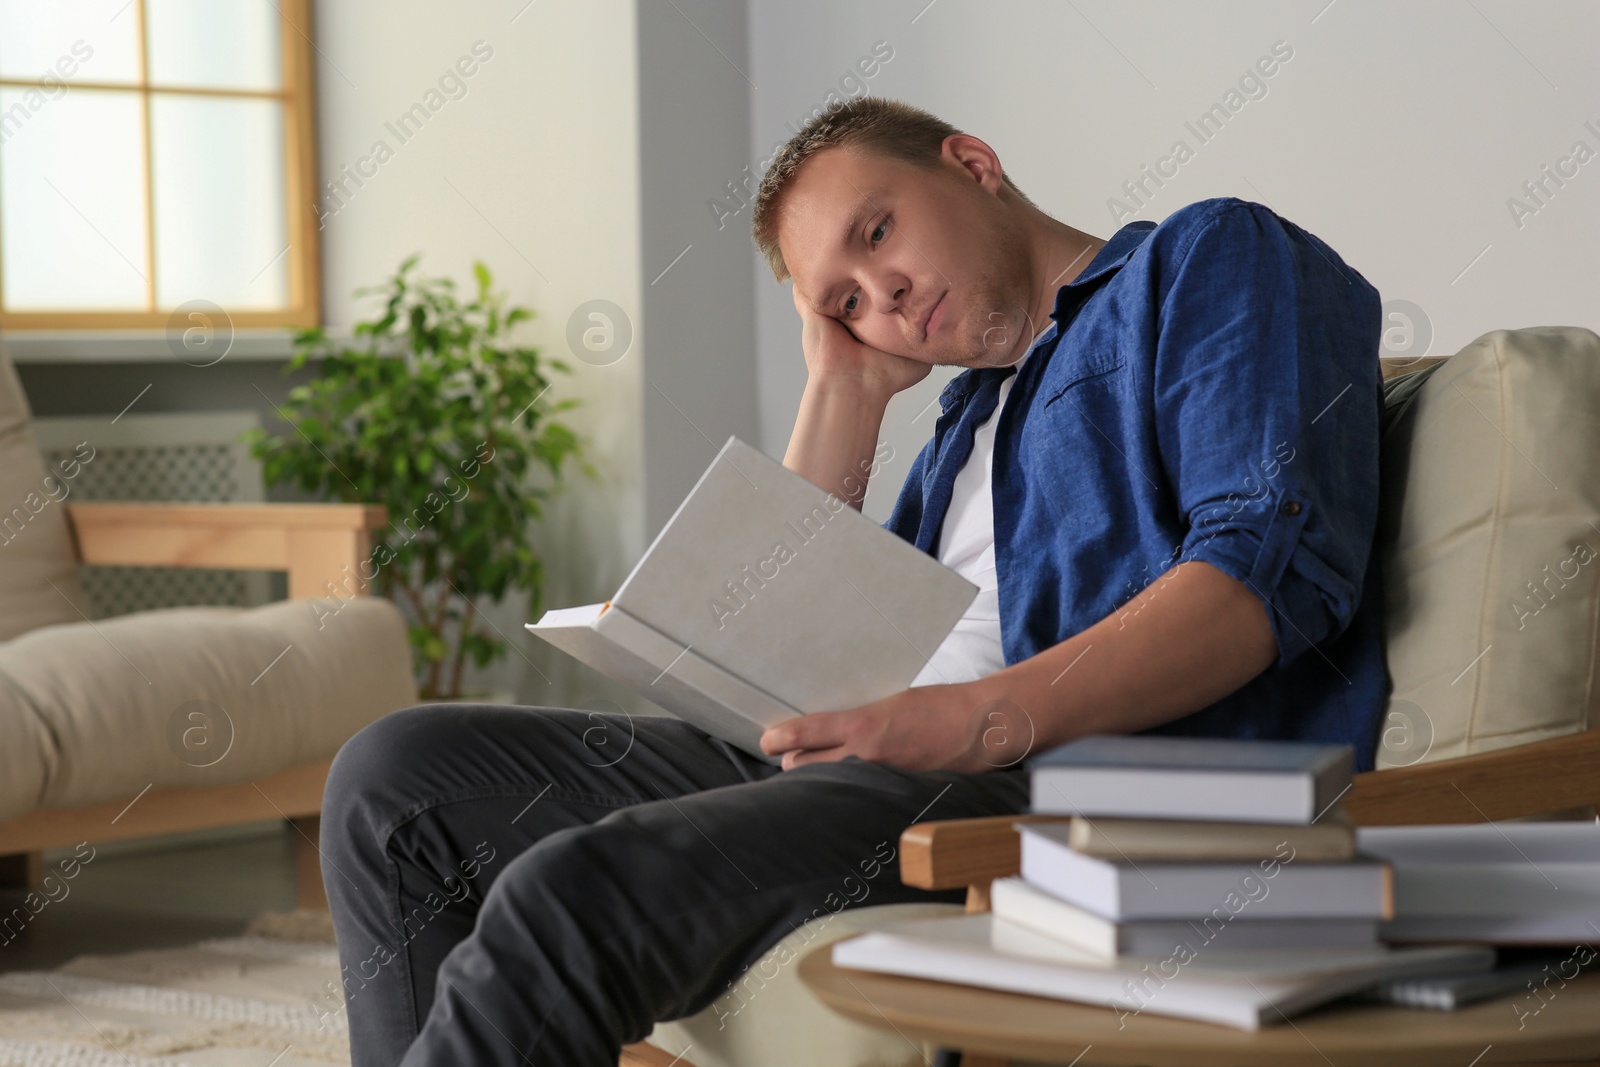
[[763, 598]]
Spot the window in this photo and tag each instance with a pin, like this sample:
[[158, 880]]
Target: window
[[155, 153]]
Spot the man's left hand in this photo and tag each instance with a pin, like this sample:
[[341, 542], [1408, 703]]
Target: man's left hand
[[929, 728]]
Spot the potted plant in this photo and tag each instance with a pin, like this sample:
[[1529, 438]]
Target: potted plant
[[433, 410]]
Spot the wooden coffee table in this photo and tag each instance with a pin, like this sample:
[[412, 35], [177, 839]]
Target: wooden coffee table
[[996, 1026]]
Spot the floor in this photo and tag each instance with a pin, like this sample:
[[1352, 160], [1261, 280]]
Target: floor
[[155, 893]]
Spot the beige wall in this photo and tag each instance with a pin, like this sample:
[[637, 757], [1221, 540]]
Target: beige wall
[[535, 170]]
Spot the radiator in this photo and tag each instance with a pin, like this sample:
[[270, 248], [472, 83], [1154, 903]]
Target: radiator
[[147, 458]]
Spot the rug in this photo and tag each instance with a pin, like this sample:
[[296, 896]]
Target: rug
[[269, 998]]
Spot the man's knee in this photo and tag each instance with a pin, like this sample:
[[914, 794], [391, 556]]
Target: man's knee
[[372, 769]]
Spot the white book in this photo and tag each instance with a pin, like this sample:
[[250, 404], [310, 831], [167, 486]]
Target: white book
[[1509, 883], [1485, 844], [1020, 902], [763, 598], [1242, 891], [1245, 990]]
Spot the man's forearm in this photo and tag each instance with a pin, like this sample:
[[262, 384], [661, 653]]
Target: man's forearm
[[1193, 636], [835, 437]]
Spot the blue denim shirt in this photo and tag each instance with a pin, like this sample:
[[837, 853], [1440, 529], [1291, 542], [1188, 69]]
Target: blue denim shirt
[[1211, 392]]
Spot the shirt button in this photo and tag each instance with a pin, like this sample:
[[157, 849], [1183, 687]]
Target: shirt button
[[1291, 507]]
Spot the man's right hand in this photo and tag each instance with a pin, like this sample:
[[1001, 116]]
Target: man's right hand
[[848, 386], [834, 356]]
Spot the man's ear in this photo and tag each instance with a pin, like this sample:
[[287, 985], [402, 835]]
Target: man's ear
[[975, 158]]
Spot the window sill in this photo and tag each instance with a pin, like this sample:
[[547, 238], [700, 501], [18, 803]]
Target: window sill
[[139, 346]]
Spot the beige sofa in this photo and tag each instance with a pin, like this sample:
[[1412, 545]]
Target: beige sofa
[[183, 718], [1490, 546]]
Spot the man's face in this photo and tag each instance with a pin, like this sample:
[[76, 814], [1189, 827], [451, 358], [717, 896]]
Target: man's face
[[879, 243]]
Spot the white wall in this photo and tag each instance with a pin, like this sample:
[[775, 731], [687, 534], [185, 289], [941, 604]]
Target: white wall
[[535, 170], [1396, 133]]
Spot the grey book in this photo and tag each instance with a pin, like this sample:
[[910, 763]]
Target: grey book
[[1448, 992], [1217, 779], [763, 598]]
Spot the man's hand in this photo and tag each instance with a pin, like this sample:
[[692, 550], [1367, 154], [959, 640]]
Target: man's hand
[[1194, 636], [848, 386], [833, 354], [929, 728]]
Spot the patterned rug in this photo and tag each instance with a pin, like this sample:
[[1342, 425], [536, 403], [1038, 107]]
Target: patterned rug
[[270, 998]]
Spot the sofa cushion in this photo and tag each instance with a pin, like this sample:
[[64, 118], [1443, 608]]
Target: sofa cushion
[[769, 1019], [1489, 542], [38, 571], [93, 712]]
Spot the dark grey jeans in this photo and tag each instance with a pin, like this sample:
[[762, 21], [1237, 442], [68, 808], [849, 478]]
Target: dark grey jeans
[[540, 886]]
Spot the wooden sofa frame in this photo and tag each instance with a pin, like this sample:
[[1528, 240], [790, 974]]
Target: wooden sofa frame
[[315, 544]]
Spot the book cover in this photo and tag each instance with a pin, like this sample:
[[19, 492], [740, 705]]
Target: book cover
[[1283, 887], [1503, 883], [1145, 751], [1020, 902], [1245, 990], [1331, 839], [1191, 778], [764, 597]]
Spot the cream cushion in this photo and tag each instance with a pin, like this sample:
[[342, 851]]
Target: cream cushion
[[1489, 542], [38, 572], [769, 1019], [93, 712]]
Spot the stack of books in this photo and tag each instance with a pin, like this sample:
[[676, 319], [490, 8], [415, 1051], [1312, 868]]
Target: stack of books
[[1515, 883], [1205, 879], [1211, 844]]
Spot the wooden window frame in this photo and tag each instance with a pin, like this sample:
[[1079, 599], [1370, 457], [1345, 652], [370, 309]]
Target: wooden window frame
[[304, 304]]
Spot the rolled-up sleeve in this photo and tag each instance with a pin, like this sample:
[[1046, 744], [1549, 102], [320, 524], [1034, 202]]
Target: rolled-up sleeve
[[1267, 411]]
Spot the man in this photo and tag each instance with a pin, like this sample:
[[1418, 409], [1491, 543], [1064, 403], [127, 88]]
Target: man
[[1161, 471]]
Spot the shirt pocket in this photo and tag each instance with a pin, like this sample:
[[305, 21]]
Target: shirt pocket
[[1084, 408], [1076, 453], [1098, 365]]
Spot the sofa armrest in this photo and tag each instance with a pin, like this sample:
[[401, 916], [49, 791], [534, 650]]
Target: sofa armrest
[[1541, 778], [314, 543], [955, 853]]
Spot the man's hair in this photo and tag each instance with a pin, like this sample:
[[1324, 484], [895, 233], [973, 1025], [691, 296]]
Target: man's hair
[[890, 128]]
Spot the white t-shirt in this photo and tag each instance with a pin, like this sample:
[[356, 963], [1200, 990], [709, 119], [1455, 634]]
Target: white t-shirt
[[966, 545]]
